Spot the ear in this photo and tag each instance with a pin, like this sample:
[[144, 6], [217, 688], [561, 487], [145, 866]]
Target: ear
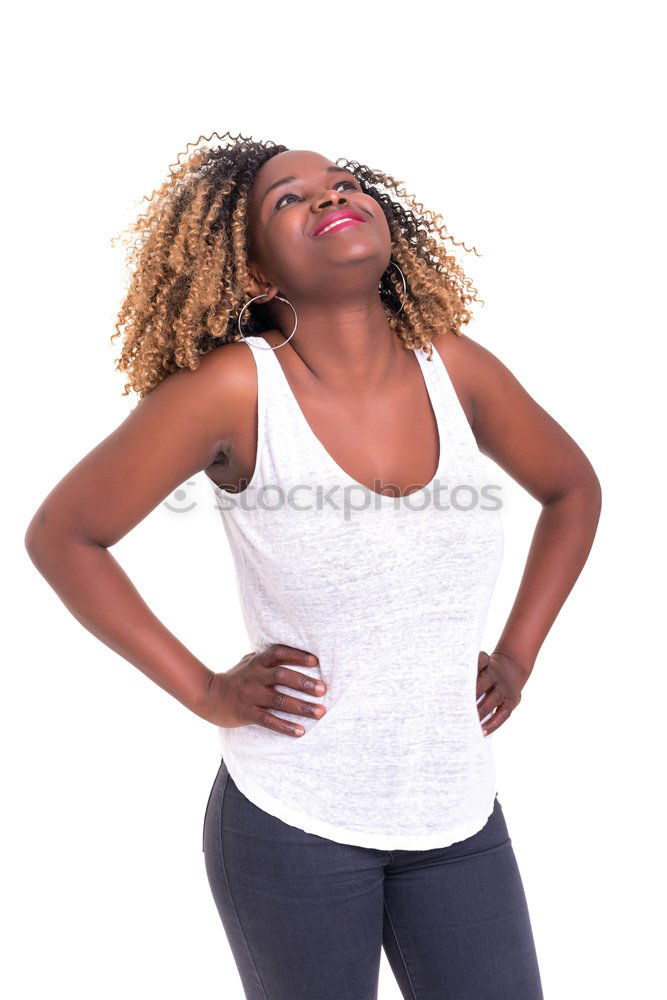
[[266, 290], [258, 284]]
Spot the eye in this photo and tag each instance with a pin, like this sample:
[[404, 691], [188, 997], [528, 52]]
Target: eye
[[278, 204]]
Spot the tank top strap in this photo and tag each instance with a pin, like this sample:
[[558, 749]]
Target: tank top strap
[[443, 391], [269, 371], [270, 377], [273, 385], [269, 416], [287, 444]]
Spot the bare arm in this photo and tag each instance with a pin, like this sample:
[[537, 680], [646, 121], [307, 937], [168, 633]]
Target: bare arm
[[174, 432], [521, 437]]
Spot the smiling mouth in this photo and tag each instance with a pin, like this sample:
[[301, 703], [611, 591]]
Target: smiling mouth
[[339, 224]]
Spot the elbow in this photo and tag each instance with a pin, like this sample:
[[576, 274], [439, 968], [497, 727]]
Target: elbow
[[585, 494], [34, 540], [44, 536], [591, 487], [50, 538], [33, 532], [582, 488]]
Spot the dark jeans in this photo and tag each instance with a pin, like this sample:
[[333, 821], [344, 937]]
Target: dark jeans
[[306, 917]]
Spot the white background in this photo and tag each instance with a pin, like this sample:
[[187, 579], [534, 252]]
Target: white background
[[534, 129]]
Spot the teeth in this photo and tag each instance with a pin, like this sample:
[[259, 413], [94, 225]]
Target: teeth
[[336, 223]]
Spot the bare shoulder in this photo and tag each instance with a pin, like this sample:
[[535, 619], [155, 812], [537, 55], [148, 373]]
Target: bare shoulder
[[229, 366], [220, 394], [474, 370], [509, 425], [175, 431], [458, 355], [461, 354]]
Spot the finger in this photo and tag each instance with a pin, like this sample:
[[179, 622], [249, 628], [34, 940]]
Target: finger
[[279, 653], [501, 715], [295, 706], [485, 679], [281, 726], [489, 703], [294, 679], [483, 660], [485, 683]]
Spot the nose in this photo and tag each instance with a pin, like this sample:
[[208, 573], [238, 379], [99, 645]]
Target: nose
[[338, 198]]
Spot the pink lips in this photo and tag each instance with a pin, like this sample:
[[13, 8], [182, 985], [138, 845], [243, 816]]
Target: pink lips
[[351, 219]]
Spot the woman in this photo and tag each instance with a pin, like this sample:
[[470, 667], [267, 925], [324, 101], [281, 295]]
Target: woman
[[296, 333]]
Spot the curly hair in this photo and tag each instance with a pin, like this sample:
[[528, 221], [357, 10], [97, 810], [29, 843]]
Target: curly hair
[[188, 265]]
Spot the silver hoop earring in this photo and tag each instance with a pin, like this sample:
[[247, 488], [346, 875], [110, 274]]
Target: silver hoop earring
[[405, 287], [261, 295]]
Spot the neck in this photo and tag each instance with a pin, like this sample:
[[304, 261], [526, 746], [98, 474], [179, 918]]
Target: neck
[[346, 348]]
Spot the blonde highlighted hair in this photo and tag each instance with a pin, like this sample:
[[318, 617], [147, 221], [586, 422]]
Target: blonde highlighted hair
[[188, 263]]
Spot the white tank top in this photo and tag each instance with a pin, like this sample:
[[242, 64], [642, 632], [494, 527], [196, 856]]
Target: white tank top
[[391, 594]]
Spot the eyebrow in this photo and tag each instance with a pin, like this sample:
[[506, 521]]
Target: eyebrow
[[287, 180]]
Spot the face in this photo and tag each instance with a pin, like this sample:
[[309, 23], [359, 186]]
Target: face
[[292, 197]]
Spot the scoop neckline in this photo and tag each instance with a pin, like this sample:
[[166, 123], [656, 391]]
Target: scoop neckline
[[384, 498]]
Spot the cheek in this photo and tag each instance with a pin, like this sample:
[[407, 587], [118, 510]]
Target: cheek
[[382, 226], [288, 225], [267, 245], [285, 238], [253, 249]]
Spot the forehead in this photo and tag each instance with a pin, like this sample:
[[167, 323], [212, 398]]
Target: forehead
[[298, 162]]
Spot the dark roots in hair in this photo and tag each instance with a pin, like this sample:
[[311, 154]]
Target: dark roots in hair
[[188, 264]]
